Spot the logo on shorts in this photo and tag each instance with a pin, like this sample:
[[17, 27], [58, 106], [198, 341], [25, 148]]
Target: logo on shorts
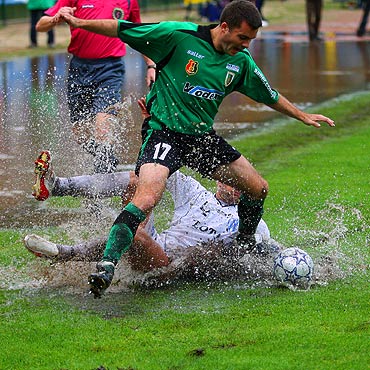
[[192, 67], [118, 13]]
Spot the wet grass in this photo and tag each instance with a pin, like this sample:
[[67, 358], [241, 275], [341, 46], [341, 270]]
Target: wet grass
[[191, 327], [319, 200]]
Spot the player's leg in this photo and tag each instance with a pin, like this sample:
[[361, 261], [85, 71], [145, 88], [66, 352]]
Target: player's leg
[[243, 176], [33, 33], [91, 186], [85, 251], [214, 157], [108, 79], [159, 157], [146, 254], [105, 160], [95, 186], [151, 185]]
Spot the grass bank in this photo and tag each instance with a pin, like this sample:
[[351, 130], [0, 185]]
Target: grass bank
[[319, 200]]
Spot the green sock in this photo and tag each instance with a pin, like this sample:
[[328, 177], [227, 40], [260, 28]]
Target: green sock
[[122, 233], [250, 212], [119, 241]]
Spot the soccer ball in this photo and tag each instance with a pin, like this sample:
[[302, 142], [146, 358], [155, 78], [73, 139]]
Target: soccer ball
[[293, 268]]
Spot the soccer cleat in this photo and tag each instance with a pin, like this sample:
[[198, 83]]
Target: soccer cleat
[[40, 247], [258, 245], [267, 247], [45, 177], [101, 280]]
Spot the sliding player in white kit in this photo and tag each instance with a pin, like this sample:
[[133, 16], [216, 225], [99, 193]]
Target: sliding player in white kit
[[200, 217]]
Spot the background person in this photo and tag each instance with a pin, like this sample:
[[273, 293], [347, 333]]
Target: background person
[[96, 73], [37, 9], [365, 15], [259, 6], [313, 17]]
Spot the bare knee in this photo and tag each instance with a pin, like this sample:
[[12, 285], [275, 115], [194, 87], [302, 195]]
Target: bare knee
[[146, 202], [264, 189], [258, 191]]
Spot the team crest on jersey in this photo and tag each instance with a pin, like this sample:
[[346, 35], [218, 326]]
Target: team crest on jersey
[[192, 67], [229, 78], [118, 13]]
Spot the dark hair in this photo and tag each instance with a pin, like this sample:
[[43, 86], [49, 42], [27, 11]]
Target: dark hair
[[238, 11]]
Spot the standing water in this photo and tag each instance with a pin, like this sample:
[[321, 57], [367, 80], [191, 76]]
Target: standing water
[[34, 113]]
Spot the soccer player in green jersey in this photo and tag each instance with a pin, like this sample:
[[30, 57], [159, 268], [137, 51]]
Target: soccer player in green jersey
[[196, 67]]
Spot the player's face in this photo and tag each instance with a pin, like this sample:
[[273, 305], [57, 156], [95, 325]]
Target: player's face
[[237, 39], [228, 194]]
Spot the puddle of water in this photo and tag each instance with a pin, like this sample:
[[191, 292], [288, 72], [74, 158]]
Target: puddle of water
[[34, 114]]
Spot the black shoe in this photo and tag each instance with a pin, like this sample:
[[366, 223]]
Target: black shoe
[[255, 244], [360, 32], [101, 280]]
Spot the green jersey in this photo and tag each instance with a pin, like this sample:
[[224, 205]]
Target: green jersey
[[193, 78]]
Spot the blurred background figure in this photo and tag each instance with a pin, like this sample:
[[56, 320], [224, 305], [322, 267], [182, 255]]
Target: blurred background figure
[[207, 11], [366, 9], [313, 14], [211, 11], [259, 6], [37, 9], [190, 6]]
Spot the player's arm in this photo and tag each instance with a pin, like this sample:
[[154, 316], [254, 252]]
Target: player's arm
[[46, 22], [106, 27], [283, 105], [151, 68]]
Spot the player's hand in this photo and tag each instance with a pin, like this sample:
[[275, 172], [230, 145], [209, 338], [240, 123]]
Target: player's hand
[[315, 119], [150, 77], [283, 105], [142, 104], [71, 20], [65, 10]]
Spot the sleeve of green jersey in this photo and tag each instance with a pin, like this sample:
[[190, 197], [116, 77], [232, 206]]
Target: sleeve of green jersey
[[152, 39], [255, 85]]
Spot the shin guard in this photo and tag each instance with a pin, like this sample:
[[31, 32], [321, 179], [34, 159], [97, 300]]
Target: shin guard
[[250, 212], [122, 233]]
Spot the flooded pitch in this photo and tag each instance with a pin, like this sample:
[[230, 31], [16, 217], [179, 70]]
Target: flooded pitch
[[34, 116]]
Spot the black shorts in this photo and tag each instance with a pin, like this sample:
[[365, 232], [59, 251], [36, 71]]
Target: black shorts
[[93, 86], [204, 153]]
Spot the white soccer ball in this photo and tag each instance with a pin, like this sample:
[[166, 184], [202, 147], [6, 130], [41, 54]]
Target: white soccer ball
[[293, 267]]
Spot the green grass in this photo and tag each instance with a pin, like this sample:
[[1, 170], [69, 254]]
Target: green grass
[[319, 200]]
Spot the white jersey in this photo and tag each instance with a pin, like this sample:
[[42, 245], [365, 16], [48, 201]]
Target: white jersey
[[199, 217]]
